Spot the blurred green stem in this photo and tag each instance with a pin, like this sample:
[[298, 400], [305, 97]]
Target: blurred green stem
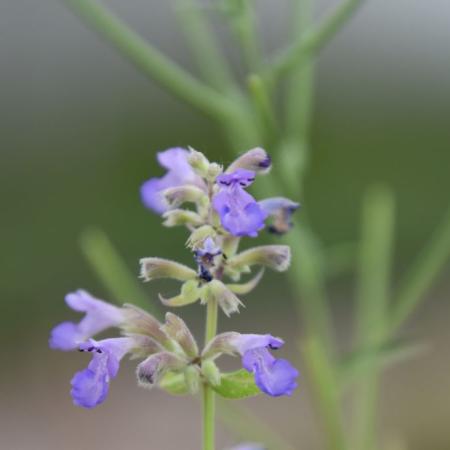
[[326, 390], [153, 63], [311, 41], [209, 408], [373, 299], [422, 273], [203, 46], [110, 268]]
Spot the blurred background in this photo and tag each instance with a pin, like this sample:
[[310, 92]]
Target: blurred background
[[80, 128]]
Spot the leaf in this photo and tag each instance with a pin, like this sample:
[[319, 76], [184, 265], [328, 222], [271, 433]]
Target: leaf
[[236, 385], [174, 383]]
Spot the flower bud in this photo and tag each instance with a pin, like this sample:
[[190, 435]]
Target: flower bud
[[176, 328], [211, 372], [199, 235], [153, 268], [150, 371], [223, 343], [139, 322], [176, 196], [192, 378], [257, 160], [214, 170], [276, 257], [198, 162], [176, 217]]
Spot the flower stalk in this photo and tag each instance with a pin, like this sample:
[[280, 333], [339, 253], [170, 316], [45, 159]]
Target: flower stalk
[[209, 401]]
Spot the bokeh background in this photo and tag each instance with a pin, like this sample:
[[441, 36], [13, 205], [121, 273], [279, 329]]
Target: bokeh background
[[80, 128]]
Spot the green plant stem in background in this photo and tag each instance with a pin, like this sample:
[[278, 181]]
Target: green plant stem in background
[[324, 382], [373, 301], [422, 273], [311, 41], [209, 407], [205, 51], [153, 63], [246, 425], [110, 268]]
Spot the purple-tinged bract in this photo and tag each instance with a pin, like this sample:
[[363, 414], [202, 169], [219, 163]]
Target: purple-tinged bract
[[239, 212], [179, 172], [99, 316], [91, 385]]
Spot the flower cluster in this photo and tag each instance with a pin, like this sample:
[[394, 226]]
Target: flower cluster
[[220, 212]]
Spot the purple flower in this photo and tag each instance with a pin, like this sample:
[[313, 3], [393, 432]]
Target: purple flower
[[179, 172], [273, 376], [91, 385], [205, 256], [239, 212], [281, 210], [99, 316], [248, 446]]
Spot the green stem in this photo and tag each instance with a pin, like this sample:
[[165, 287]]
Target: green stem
[[323, 380], [111, 269], [373, 298], [208, 57], [423, 272], [311, 41], [209, 403], [152, 62]]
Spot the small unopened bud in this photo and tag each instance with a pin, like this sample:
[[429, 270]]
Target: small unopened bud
[[150, 371], [216, 290], [176, 328], [198, 162], [211, 372], [176, 217], [178, 195], [140, 322], [153, 268], [276, 257], [221, 344], [199, 235], [214, 170], [257, 160], [192, 378]]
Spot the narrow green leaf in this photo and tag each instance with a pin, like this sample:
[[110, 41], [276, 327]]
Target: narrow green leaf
[[239, 384], [174, 383]]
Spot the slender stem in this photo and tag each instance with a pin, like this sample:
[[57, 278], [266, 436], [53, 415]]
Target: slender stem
[[311, 41], [244, 27], [152, 62], [209, 403], [111, 269], [373, 298], [423, 272], [323, 379], [202, 44]]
